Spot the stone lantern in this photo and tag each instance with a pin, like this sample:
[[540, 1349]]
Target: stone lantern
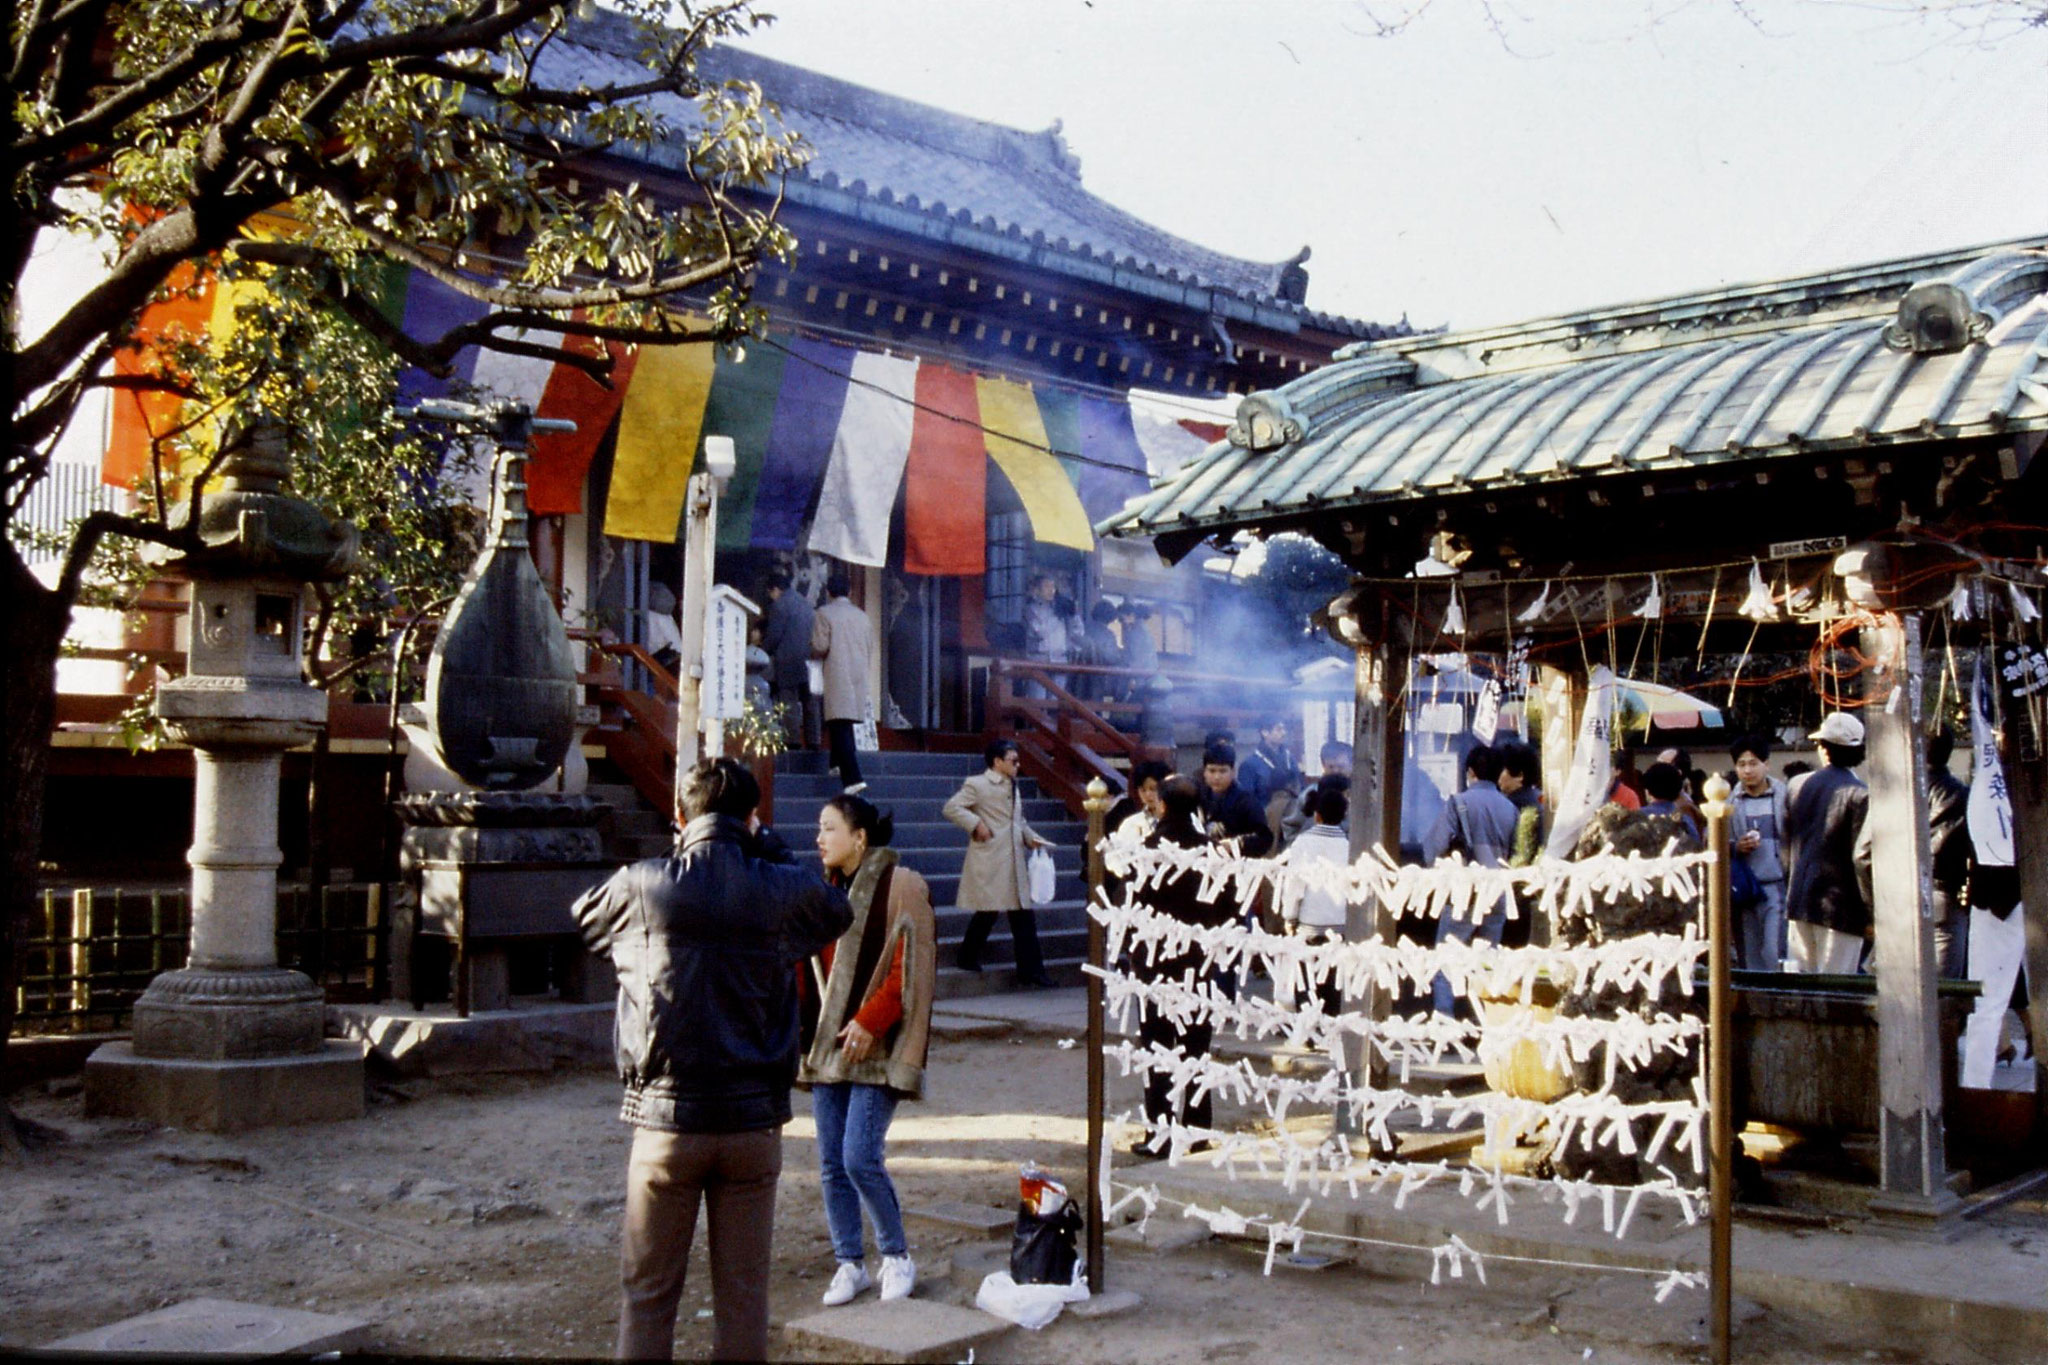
[[233, 1040]]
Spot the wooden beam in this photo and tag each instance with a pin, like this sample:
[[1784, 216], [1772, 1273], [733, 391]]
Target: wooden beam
[[1913, 1162]]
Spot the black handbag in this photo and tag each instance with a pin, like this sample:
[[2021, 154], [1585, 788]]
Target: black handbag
[[1042, 1249]]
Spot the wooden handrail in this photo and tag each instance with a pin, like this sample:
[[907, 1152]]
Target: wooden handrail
[[619, 649]]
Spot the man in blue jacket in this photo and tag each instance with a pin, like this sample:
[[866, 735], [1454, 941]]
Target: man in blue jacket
[[707, 943]]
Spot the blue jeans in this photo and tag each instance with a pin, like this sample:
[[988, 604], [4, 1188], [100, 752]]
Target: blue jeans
[[1763, 929], [853, 1121], [1442, 998]]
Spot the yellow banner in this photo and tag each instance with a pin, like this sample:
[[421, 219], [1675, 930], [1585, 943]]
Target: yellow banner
[[659, 423], [1016, 442]]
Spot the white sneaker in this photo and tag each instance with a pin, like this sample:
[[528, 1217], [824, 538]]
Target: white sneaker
[[899, 1277], [849, 1280]]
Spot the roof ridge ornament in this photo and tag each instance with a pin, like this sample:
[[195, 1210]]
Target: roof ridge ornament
[[1265, 421], [1936, 318]]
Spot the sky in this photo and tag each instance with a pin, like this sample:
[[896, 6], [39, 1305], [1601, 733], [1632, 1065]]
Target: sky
[[1498, 161]]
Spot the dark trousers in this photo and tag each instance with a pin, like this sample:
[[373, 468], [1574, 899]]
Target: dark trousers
[[845, 761], [803, 713], [734, 1175], [1193, 1041], [1023, 933]]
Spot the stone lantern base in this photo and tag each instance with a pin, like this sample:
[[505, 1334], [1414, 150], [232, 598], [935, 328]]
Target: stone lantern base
[[226, 1095], [227, 1050]]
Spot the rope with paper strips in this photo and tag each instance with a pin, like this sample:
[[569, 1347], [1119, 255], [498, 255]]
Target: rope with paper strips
[[1644, 1017]]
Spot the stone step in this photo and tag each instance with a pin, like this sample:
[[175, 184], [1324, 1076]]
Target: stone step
[[620, 795], [891, 763], [895, 786], [791, 810], [935, 835]]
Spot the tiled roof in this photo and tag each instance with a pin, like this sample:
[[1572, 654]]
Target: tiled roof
[[980, 185], [1816, 364]]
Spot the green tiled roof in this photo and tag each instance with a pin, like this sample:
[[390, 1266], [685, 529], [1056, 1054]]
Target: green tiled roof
[[1826, 362]]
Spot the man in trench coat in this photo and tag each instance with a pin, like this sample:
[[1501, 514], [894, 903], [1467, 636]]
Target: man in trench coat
[[994, 876]]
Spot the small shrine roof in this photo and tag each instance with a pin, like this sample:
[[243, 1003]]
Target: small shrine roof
[[1817, 363]]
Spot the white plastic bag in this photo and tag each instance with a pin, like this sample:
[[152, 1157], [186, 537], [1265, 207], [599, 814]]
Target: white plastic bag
[[1030, 1306], [1042, 875]]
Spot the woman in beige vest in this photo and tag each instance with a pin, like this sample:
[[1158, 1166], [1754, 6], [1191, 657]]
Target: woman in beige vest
[[867, 1016]]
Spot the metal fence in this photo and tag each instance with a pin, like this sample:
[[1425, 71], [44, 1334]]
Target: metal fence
[[64, 495], [90, 951]]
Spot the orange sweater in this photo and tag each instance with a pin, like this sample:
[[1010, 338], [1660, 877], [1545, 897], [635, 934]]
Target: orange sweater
[[884, 1008]]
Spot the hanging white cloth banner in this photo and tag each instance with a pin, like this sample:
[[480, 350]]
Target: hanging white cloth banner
[[1653, 605], [1486, 713], [1454, 615], [1990, 806], [1959, 601], [1758, 605], [2023, 608], [1538, 609], [869, 452], [1592, 770]]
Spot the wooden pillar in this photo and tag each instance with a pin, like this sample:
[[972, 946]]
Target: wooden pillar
[[1913, 1164], [1378, 758]]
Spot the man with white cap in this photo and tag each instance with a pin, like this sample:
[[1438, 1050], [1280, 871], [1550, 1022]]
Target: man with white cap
[[1826, 910]]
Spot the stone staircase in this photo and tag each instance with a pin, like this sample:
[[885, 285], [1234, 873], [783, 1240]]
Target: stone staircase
[[634, 829], [913, 787]]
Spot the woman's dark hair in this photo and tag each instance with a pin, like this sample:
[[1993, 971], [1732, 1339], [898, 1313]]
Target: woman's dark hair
[[1751, 744], [1842, 755], [1941, 746], [1149, 769], [1327, 806], [1522, 760], [861, 814], [1182, 823], [1103, 611], [996, 749], [1483, 763], [1796, 767], [720, 786], [1664, 781]]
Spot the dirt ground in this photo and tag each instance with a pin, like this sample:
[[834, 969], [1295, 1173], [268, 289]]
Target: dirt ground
[[478, 1217]]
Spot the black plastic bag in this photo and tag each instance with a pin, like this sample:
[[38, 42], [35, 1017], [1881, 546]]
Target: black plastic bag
[[1043, 1249]]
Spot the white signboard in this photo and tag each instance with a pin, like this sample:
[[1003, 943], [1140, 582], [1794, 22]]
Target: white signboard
[[724, 694]]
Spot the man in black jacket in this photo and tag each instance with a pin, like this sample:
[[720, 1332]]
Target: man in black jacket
[[1827, 913], [707, 944], [1950, 850]]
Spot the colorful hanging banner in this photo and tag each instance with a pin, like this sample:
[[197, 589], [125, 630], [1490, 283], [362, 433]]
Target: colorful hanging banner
[[800, 440], [517, 378], [561, 460], [743, 392], [868, 454], [139, 416], [1059, 411], [432, 310], [945, 483], [659, 425], [1113, 470], [1016, 442]]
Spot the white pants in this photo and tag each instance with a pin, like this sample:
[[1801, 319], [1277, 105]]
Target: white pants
[[1818, 949], [1998, 952]]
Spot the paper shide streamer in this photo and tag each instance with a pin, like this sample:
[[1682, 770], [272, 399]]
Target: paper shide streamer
[[1667, 1136]]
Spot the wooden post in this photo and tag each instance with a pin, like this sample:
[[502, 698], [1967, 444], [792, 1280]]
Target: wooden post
[[1720, 1073], [81, 956], [1378, 758], [700, 537], [1913, 1162], [1097, 807]]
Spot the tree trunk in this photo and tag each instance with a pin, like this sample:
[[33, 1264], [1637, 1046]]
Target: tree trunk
[[32, 624]]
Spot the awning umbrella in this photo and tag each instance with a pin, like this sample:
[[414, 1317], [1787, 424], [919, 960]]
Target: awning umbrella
[[1643, 705]]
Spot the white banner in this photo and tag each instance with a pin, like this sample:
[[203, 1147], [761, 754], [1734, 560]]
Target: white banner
[[1990, 808], [1592, 770]]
